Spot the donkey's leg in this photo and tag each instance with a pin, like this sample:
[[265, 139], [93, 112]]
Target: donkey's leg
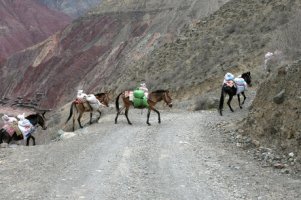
[[126, 115], [118, 113], [73, 123], [27, 141], [1, 136], [78, 120], [91, 117], [148, 114], [238, 97], [33, 140], [229, 102], [99, 114], [243, 94], [9, 139], [159, 117], [116, 117], [221, 102]]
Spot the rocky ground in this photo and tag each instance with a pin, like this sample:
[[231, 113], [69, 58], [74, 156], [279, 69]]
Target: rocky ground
[[191, 155]]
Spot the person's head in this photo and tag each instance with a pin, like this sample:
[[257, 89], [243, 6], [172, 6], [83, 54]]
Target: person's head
[[142, 84]]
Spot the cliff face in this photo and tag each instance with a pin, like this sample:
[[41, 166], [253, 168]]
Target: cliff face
[[96, 50], [73, 8], [25, 23]]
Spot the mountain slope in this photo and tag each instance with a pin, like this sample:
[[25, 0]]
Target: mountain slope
[[274, 120], [95, 50], [235, 39], [73, 8], [25, 23]]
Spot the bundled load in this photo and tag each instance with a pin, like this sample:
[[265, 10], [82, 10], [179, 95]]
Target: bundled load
[[80, 97], [89, 101], [25, 126], [237, 82], [144, 89], [229, 79], [10, 124], [140, 100], [93, 101], [241, 85]]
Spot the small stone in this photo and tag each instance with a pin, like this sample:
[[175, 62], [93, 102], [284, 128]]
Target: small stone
[[279, 98], [279, 165], [240, 131], [239, 144], [256, 143], [285, 171], [291, 154]]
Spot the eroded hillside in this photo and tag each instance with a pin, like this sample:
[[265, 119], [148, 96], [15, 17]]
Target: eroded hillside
[[96, 50], [25, 23], [274, 120], [235, 39], [73, 8]]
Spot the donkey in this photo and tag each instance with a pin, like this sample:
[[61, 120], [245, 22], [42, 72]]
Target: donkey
[[34, 119], [232, 90], [153, 99], [83, 107]]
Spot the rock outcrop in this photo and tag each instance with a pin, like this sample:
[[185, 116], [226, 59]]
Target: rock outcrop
[[275, 119]]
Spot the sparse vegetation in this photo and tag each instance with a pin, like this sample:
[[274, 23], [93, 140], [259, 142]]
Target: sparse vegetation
[[288, 38]]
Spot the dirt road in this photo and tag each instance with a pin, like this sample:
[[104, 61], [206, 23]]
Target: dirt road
[[185, 157]]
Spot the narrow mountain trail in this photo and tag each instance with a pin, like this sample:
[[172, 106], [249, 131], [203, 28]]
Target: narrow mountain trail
[[187, 156]]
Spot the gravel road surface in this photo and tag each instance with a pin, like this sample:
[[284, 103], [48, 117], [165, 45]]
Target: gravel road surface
[[187, 156]]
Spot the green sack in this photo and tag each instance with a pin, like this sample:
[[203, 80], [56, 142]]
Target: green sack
[[140, 103], [138, 94]]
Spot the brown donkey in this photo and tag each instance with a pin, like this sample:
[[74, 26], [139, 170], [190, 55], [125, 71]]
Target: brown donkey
[[153, 99], [81, 108]]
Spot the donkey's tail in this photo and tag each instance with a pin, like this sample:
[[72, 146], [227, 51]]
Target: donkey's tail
[[117, 102], [71, 112], [221, 102]]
